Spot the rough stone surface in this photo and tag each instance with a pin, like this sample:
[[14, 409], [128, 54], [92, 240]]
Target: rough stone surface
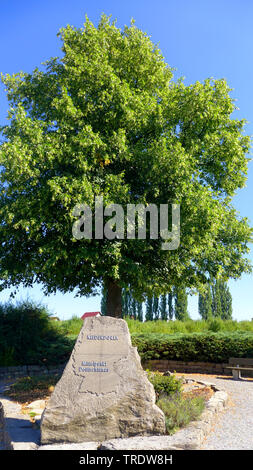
[[104, 392], [188, 438], [140, 443], [37, 404]]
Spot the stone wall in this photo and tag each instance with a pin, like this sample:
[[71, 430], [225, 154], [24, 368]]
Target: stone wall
[[164, 365]]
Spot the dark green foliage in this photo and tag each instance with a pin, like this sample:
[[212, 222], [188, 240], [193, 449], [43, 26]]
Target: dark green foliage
[[133, 311], [28, 337], [170, 305], [226, 301], [7, 358], [216, 300], [149, 309], [216, 341], [156, 308], [130, 306], [181, 304], [139, 312], [206, 347], [163, 307], [103, 300], [163, 384], [205, 304], [126, 303]]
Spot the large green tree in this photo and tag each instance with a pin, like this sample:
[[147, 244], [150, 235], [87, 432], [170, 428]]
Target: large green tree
[[107, 119]]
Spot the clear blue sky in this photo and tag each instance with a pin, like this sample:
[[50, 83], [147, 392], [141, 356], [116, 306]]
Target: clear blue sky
[[201, 39]]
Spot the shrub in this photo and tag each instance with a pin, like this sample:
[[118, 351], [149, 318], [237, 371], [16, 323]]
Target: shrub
[[207, 347], [28, 337], [164, 384], [180, 411], [216, 324], [7, 356]]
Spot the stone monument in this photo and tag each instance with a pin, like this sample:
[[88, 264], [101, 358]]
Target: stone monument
[[103, 392]]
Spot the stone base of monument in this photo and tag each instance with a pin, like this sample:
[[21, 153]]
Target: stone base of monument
[[103, 392]]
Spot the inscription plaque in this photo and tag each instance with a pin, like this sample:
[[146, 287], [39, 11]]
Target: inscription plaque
[[97, 356]]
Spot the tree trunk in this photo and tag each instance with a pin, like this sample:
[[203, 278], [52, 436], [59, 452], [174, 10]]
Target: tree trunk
[[113, 300]]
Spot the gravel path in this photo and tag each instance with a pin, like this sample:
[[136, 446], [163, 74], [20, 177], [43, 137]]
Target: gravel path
[[18, 425], [234, 427]]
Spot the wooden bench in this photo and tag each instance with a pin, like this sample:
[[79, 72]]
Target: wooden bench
[[238, 364]]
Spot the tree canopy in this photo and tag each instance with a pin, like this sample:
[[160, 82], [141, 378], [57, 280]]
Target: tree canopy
[[107, 119]]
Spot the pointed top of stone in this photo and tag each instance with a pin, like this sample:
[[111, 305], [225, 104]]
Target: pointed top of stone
[[104, 392]]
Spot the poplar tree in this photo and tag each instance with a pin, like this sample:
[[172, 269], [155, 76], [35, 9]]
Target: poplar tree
[[156, 311], [216, 299], [181, 303], [170, 305], [205, 304], [133, 310], [163, 307], [149, 309], [103, 300], [139, 311], [226, 301], [126, 303]]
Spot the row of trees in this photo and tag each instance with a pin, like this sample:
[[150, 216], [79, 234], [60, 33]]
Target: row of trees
[[216, 302], [167, 307]]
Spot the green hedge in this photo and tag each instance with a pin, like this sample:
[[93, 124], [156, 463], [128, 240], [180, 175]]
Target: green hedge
[[27, 336], [204, 347]]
